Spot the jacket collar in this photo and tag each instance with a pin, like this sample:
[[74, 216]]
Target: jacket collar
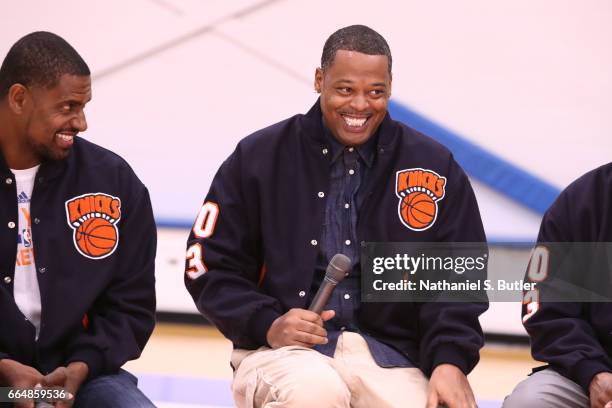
[[48, 170]]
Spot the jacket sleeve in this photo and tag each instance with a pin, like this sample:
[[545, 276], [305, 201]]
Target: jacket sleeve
[[560, 333], [122, 318], [450, 331], [224, 260]]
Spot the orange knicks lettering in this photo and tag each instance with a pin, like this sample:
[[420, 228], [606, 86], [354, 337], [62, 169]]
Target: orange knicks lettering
[[93, 218], [419, 191], [80, 206]]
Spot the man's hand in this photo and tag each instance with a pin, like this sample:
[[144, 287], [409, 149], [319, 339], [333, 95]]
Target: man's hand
[[448, 385], [17, 375], [299, 327], [600, 390], [69, 378]]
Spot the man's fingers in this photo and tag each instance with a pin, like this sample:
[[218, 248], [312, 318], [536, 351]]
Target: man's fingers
[[309, 327], [432, 399], [327, 315], [310, 338], [470, 399], [309, 316], [56, 378]]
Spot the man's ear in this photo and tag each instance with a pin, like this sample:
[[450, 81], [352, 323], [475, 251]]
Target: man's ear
[[18, 98], [318, 82]]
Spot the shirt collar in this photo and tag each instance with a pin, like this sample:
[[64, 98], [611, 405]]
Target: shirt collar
[[366, 151]]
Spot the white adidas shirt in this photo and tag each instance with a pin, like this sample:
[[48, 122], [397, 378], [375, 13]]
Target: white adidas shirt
[[25, 283]]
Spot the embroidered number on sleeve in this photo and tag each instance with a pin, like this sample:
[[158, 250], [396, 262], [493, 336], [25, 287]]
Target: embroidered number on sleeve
[[531, 300], [538, 265], [537, 271], [196, 266], [204, 227]]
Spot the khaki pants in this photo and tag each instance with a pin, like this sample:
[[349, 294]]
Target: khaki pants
[[299, 377], [547, 389]]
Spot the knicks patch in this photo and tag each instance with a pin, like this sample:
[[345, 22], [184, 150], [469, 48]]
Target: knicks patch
[[419, 191], [93, 218]]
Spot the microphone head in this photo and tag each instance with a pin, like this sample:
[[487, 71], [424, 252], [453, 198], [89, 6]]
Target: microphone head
[[338, 267]]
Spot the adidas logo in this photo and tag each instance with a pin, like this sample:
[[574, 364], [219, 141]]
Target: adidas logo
[[23, 198]]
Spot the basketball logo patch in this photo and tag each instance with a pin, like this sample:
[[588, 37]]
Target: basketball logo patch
[[419, 191], [93, 218]]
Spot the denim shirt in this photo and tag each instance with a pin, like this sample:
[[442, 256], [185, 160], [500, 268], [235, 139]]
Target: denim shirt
[[349, 170]]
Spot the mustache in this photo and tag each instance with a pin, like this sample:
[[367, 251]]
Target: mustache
[[356, 113], [71, 131]]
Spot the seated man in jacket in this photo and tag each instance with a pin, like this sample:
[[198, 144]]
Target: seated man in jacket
[[293, 195], [77, 247], [574, 338]]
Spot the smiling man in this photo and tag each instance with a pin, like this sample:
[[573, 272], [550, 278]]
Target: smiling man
[[293, 195], [77, 247]]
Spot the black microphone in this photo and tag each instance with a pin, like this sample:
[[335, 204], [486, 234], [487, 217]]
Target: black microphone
[[337, 269]]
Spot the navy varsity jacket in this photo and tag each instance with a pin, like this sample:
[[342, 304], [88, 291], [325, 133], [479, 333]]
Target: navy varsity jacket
[[94, 248], [252, 250], [575, 338]]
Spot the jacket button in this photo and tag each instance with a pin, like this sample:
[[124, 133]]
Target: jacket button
[[36, 220], [363, 244], [11, 224], [7, 279], [313, 242], [42, 269], [8, 180], [324, 151], [321, 194], [302, 293]]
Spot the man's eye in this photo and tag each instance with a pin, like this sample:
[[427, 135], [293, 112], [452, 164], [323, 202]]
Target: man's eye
[[377, 92], [66, 108], [344, 91]]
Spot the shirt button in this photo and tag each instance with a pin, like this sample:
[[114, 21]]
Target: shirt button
[[36, 220], [347, 296], [350, 149], [343, 328], [313, 242], [321, 194], [42, 269], [363, 244], [8, 180], [11, 224], [351, 172], [302, 293], [324, 151], [7, 279], [347, 205], [347, 242]]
